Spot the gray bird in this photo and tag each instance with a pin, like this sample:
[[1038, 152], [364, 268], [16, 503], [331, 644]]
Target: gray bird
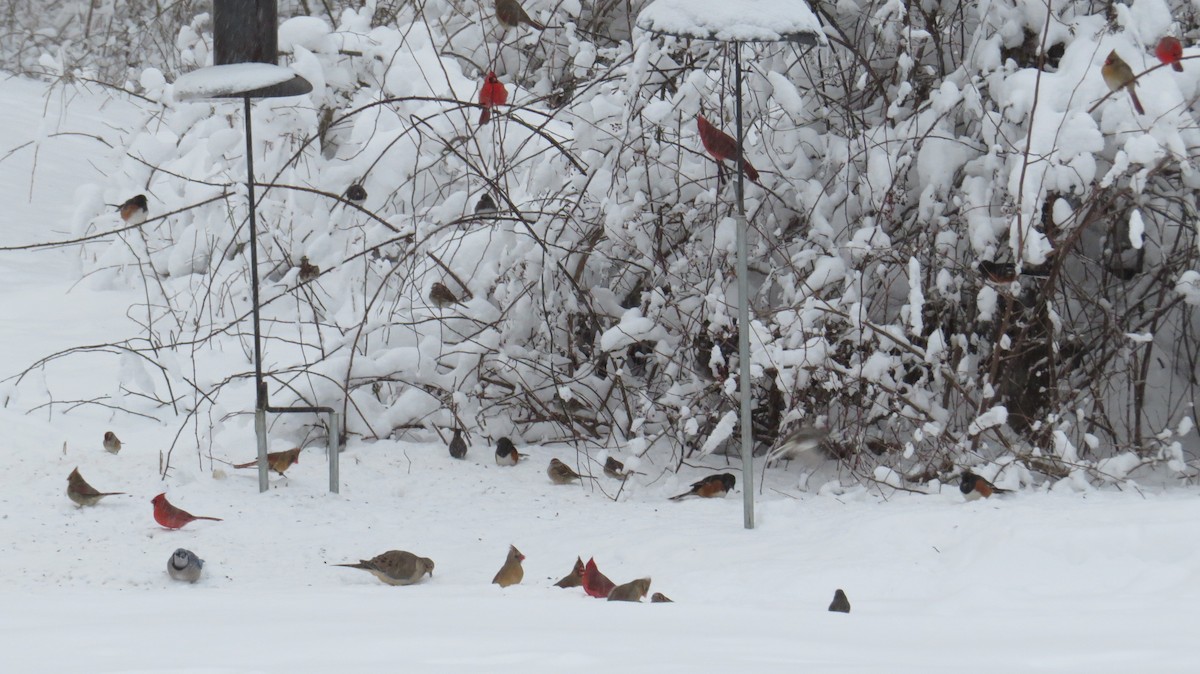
[[356, 194], [800, 440], [111, 442], [660, 598], [458, 446], [184, 565], [840, 603], [634, 590], [395, 567], [506, 453], [561, 473], [84, 494], [441, 296], [486, 204]]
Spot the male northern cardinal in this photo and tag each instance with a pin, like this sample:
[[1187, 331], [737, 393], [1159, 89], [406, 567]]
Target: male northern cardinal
[[634, 590], [458, 446], [840, 603], [710, 487], [278, 461], [492, 93], [974, 487], [511, 14], [111, 442], [1170, 51], [506, 453], [596, 584], [1118, 75], [84, 494], [573, 579], [723, 147], [561, 473], [184, 565], [171, 517], [511, 573], [395, 567], [135, 210]]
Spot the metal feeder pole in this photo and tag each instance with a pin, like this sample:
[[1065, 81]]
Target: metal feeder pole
[[743, 286]]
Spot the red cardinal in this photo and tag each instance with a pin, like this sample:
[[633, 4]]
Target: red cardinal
[[596, 584], [491, 94], [721, 146], [171, 517], [1170, 51]]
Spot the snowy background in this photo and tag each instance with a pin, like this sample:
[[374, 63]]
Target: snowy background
[[596, 320]]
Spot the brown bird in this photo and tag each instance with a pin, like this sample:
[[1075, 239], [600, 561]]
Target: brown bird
[[712, 486], [308, 270], [135, 210], [396, 567], [616, 469], [575, 578], [974, 487], [511, 573], [506, 453], [1118, 75], [840, 603], [111, 442], [441, 296], [561, 473], [634, 590], [511, 14], [84, 494], [278, 461], [660, 598]]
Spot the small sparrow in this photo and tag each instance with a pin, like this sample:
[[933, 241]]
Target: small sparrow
[[660, 598], [615, 469], [634, 590], [135, 210], [803, 439], [441, 296], [713, 486], [491, 94], [308, 270], [184, 565], [723, 147], [561, 473], [839, 604], [458, 446], [356, 194], [396, 567], [1170, 51], [511, 573], [506, 453], [596, 584], [278, 461], [171, 517], [511, 14], [486, 204], [1118, 75], [974, 487], [111, 442], [84, 494], [573, 579]]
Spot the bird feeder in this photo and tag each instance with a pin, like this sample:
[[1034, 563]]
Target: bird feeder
[[736, 22], [245, 57]]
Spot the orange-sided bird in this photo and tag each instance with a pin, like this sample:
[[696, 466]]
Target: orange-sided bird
[[713, 486], [1118, 75], [974, 487], [1170, 51], [723, 147], [491, 94], [135, 210]]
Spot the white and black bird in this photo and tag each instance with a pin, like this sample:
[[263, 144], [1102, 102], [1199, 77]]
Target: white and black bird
[[800, 440], [506, 453], [458, 446], [485, 205], [356, 194], [185, 566]]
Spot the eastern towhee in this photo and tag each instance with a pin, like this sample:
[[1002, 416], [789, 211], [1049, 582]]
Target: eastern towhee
[[713, 486], [974, 486]]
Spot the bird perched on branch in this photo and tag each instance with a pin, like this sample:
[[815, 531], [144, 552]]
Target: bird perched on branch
[[1006, 272], [840, 603], [308, 270], [395, 567], [356, 194], [511, 14], [441, 296], [575, 578], [1118, 75], [723, 147], [511, 573], [112, 443], [506, 453], [185, 566], [458, 446], [713, 486], [486, 204], [1170, 51], [135, 210], [84, 494], [277, 461], [974, 487], [561, 473], [171, 517], [491, 94], [596, 584], [634, 590]]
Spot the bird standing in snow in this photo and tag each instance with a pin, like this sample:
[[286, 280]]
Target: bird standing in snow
[[185, 566], [511, 14], [458, 446], [506, 453], [660, 598], [395, 567], [634, 590], [84, 494], [575, 578], [723, 147], [278, 461], [171, 517], [1118, 75], [975, 487], [614, 468], [561, 473], [511, 573], [596, 584], [713, 486], [112, 444], [840, 603]]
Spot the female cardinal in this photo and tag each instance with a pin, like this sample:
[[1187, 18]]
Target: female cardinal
[[491, 94], [573, 579], [511, 14], [171, 517], [278, 461], [511, 573], [1118, 75], [84, 494], [722, 146], [1170, 51]]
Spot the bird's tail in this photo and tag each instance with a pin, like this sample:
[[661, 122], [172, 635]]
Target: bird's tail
[[485, 116], [111, 493], [676, 498], [751, 172], [360, 565], [248, 464], [535, 24], [1177, 66], [215, 519], [1137, 105]]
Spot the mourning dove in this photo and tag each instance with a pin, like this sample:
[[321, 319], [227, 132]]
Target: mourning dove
[[396, 567]]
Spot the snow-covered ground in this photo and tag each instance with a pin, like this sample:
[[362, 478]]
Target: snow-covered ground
[[1050, 580]]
